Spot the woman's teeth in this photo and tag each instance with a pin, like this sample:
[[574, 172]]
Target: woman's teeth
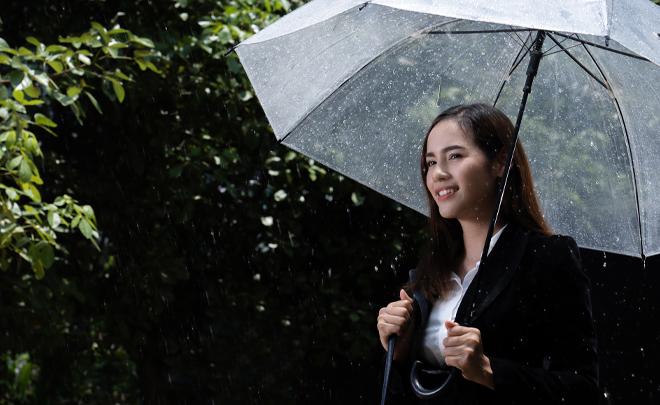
[[446, 191]]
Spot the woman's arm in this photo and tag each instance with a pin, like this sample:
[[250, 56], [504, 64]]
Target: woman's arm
[[570, 368]]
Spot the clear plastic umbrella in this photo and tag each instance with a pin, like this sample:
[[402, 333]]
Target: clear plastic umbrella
[[355, 84]]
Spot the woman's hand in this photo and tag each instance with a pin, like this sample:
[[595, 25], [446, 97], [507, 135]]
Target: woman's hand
[[397, 318], [464, 350]]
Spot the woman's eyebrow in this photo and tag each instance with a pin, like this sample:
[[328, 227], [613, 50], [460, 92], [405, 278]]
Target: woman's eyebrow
[[447, 149], [453, 147]]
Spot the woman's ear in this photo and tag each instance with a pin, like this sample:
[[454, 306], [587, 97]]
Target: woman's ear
[[500, 161]]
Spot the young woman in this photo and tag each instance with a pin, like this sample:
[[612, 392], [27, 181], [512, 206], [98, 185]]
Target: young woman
[[531, 337]]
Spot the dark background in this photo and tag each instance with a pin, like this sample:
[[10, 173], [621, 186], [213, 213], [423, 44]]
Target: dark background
[[193, 298]]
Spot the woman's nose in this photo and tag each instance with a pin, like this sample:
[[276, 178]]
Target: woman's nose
[[439, 173]]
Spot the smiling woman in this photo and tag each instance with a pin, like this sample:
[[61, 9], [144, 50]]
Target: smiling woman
[[508, 347]]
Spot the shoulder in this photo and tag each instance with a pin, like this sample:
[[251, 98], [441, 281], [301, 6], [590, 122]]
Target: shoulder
[[556, 256], [554, 246]]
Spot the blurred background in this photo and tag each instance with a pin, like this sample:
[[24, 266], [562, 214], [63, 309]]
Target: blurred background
[[159, 248]]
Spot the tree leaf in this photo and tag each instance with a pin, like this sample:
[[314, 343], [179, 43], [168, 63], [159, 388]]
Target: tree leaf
[[11, 140], [85, 228], [64, 100], [43, 120], [75, 221], [23, 51], [42, 78], [56, 48], [33, 193], [57, 66], [119, 91], [143, 41], [24, 171], [34, 41], [120, 75], [94, 102], [38, 269], [54, 219], [16, 77], [4, 46], [89, 211], [33, 91], [5, 59], [73, 91], [11, 193], [18, 95], [84, 59], [15, 162]]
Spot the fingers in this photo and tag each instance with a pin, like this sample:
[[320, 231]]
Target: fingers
[[404, 296], [395, 318]]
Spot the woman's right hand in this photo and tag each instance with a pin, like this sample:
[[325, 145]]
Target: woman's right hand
[[397, 318]]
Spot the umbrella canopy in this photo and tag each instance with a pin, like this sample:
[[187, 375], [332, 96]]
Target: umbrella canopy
[[355, 85]]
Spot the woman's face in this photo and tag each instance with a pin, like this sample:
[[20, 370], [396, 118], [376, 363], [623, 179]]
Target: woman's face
[[460, 176]]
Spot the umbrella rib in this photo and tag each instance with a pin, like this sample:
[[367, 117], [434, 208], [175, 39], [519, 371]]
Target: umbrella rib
[[561, 50], [579, 63], [523, 42], [602, 47], [547, 53], [482, 31], [514, 66], [632, 161]]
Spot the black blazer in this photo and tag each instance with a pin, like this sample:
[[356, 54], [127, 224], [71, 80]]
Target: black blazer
[[535, 322]]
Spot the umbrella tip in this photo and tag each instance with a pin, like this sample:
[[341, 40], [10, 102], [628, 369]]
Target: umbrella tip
[[232, 49]]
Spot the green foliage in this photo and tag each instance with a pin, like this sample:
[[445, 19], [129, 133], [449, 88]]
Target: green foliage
[[227, 273], [17, 378], [37, 74]]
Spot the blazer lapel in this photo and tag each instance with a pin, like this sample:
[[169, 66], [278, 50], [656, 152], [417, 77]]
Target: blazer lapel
[[498, 270]]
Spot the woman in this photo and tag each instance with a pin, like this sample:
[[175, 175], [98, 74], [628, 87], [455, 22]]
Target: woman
[[531, 337]]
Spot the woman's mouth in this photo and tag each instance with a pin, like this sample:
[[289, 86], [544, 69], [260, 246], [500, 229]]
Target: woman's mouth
[[446, 192]]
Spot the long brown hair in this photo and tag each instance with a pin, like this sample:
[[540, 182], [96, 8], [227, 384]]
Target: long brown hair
[[491, 130]]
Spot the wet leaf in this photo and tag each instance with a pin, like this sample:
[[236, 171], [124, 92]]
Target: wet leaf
[[22, 51], [3, 45], [85, 228], [73, 91], [119, 91], [33, 91], [43, 120], [84, 59], [16, 78], [34, 41], [56, 48], [38, 269], [143, 41], [15, 162], [24, 171], [56, 65], [94, 102], [54, 219]]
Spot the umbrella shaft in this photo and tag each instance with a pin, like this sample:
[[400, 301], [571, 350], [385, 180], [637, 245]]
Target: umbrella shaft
[[535, 58]]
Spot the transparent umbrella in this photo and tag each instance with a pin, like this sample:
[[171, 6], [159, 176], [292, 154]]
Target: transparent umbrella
[[354, 85]]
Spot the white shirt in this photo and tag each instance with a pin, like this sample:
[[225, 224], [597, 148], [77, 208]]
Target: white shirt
[[446, 309]]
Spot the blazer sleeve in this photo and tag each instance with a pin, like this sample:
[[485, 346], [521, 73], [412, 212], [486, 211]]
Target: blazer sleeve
[[569, 372]]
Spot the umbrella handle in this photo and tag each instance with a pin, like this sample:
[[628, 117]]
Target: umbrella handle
[[426, 393], [388, 365]]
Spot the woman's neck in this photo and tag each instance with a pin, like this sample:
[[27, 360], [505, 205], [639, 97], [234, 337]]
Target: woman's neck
[[474, 238]]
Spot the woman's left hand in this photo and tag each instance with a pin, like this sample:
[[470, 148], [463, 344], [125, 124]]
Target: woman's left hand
[[464, 350]]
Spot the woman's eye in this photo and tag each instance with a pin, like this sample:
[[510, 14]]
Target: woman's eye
[[430, 163], [454, 156]]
